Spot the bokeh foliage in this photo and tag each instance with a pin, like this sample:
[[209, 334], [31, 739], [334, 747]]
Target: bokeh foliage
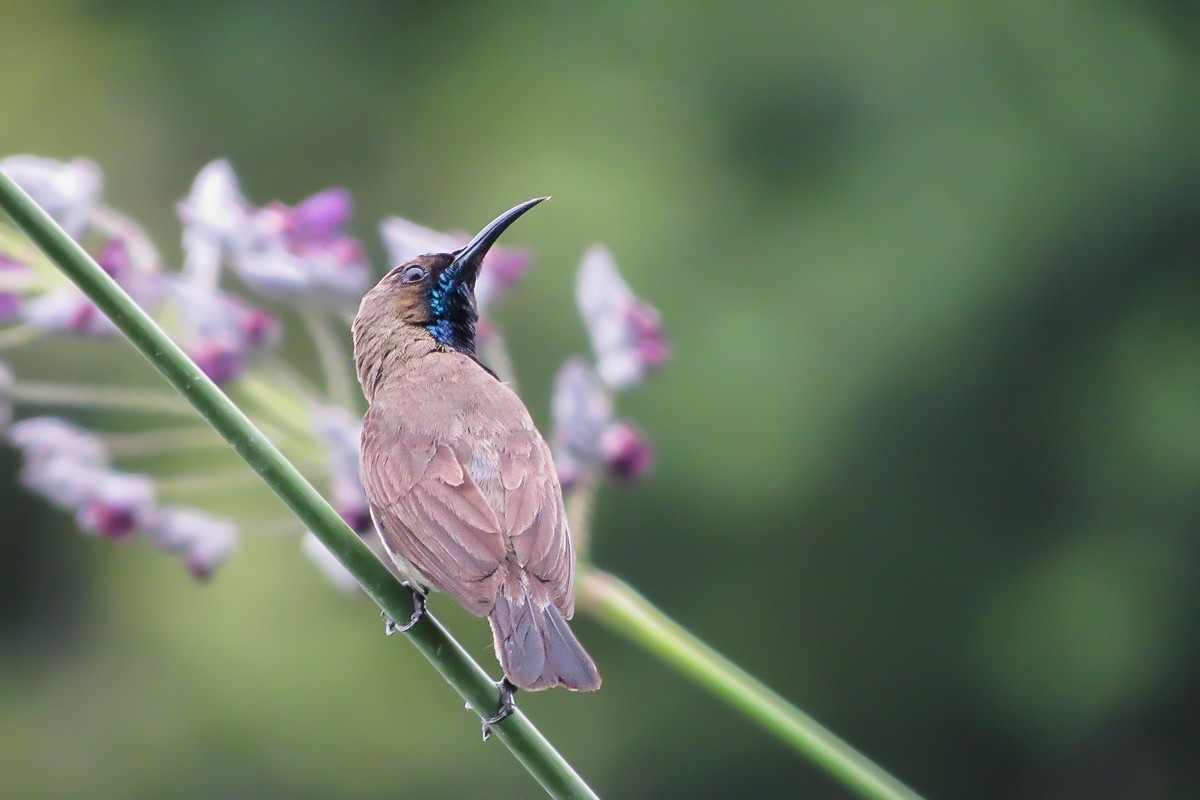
[[928, 450]]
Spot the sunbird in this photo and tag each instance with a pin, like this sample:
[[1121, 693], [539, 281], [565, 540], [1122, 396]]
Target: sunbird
[[461, 486]]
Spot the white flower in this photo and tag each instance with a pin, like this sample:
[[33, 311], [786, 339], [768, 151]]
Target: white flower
[[68, 191], [43, 438], [626, 334], [216, 219]]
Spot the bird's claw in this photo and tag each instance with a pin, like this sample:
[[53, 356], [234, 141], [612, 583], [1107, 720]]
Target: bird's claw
[[418, 612], [507, 707]]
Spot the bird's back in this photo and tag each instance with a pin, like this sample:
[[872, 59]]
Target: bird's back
[[463, 485]]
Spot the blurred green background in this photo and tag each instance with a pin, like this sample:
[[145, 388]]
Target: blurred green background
[[928, 452]]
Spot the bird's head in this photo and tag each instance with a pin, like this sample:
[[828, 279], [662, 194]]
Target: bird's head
[[435, 292]]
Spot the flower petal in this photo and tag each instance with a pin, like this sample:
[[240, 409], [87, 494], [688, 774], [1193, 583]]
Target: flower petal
[[626, 334]]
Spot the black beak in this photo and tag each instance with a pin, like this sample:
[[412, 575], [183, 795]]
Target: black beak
[[467, 260]]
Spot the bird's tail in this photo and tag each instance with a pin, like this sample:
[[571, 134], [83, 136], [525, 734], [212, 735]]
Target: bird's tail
[[534, 644]]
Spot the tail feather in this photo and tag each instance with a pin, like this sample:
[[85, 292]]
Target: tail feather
[[536, 647]]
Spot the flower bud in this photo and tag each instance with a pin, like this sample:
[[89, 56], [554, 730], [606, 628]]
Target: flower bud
[[625, 453], [10, 301], [626, 334], [205, 542], [117, 505]]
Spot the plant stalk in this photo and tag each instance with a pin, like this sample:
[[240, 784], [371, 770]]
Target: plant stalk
[[617, 605]]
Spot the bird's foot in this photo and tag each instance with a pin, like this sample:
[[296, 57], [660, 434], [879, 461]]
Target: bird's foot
[[507, 707], [418, 612]]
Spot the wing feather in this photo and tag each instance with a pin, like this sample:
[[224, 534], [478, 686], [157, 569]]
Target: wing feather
[[534, 517], [416, 484], [460, 530]]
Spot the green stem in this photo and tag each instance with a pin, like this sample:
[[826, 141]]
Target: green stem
[[108, 398], [339, 384], [17, 336], [225, 481], [622, 609], [446, 654], [160, 441]]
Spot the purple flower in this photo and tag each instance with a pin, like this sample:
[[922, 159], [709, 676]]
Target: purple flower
[[333, 274], [216, 219], [502, 268], [205, 542], [10, 302], [304, 255], [219, 330], [10, 306], [222, 360], [69, 467], [66, 310], [282, 252], [339, 431], [68, 191], [318, 220], [581, 409], [259, 328], [45, 438], [117, 505], [63, 463], [64, 481], [586, 437], [624, 452], [627, 335], [210, 552]]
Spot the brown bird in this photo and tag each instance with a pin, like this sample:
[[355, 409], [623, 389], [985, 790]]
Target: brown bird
[[461, 485]]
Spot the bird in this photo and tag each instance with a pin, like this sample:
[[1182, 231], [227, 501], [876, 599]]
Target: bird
[[460, 484]]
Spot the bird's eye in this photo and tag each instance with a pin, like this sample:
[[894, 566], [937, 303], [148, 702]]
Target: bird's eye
[[413, 275]]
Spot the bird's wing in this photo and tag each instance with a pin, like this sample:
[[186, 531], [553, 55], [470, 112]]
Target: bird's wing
[[534, 517], [432, 514]]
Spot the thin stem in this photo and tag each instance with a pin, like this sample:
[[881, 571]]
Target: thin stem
[[332, 354], [205, 482], [156, 442], [273, 526], [622, 609], [446, 654], [580, 503], [107, 398], [18, 335]]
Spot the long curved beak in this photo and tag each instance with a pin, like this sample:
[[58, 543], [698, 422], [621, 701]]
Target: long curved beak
[[469, 258]]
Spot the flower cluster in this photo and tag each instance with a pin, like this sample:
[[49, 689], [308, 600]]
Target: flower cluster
[[218, 329], [72, 468], [629, 343], [300, 263], [296, 253]]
